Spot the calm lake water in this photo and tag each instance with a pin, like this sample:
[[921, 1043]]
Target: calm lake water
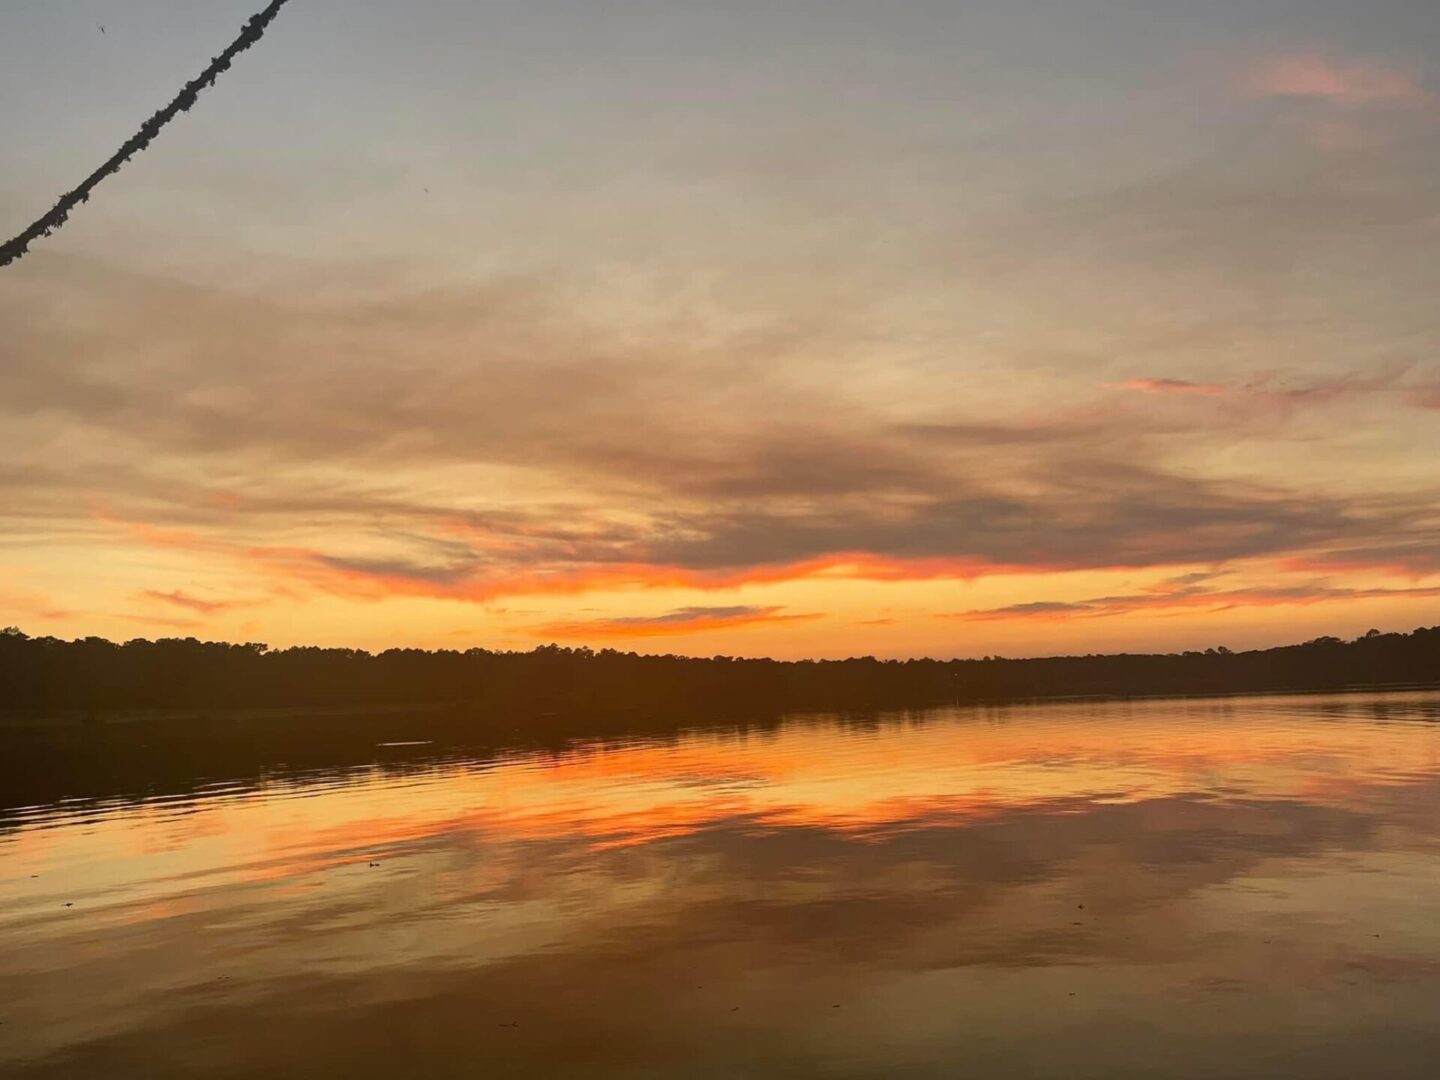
[[1204, 888]]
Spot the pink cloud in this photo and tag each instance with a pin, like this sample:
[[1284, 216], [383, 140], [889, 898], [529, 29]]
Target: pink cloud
[[1319, 77], [1269, 392], [31, 605], [1170, 386], [1426, 397]]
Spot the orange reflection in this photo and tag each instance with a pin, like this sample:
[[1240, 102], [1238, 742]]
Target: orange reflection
[[965, 765]]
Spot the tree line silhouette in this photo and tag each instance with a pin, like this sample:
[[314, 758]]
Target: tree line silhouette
[[92, 675], [92, 719]]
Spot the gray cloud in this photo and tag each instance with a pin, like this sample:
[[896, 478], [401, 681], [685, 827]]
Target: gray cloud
[[694, 614], [1315, 592], [451, 436], [680, 621]]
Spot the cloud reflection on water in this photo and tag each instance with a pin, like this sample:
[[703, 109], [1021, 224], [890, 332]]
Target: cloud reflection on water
[[1251, 870]]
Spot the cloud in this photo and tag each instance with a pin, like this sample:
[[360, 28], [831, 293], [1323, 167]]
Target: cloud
[[1170, 386], [1084, 515], [1154, 524], [1268, 392], [1340, 81], [161, 620], [1212, 600], [29, 604], [398, 570], [1344, 103], [474, 444], [182, 599], [1414, 558], [689, 620]]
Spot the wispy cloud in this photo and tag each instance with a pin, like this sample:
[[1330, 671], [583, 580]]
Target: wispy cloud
[[161, 620], [1338, 80], [23, 604], [1188, 599], [992, 537], [179, 598], [1415, 558], [1171, 386], [1275, 393], [1426, 397], [1341, 102], [689, 620], [395, 472]]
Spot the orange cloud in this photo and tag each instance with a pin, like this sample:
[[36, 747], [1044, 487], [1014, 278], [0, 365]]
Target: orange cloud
[[365, 581], [692, 620], [33, 605], [376, 579], [161, 620], [1269, 391], [479, 578], [1415, 561], [192, 603]]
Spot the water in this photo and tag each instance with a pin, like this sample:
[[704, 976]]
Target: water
[[1213, 888]]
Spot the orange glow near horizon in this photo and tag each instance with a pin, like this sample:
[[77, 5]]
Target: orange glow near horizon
[[843, 604], [1177, 394]]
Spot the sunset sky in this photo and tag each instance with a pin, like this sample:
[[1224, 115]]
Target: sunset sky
[[791, 328]]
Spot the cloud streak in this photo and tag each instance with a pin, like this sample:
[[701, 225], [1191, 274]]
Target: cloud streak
[[1208, 600], [689, 620], [1171, 386], [182, 599], [472, 444], [1346, 82]]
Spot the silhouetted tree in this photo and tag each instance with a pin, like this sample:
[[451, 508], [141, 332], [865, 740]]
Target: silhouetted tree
[[91, 673]]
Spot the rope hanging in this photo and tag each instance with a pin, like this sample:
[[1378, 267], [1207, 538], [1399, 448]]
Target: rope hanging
[[249, 35]]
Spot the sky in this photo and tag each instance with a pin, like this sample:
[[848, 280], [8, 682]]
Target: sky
[[793, 328]]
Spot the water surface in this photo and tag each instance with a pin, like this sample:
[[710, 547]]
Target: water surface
[[1204, 888]]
